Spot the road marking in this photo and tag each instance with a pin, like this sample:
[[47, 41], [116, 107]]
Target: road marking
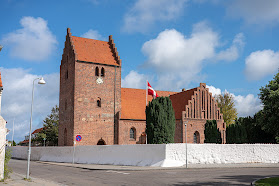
[[117, 172]]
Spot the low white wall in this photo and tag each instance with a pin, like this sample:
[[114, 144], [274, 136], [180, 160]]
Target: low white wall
[[223, 153], [164, 155], [3, 132]]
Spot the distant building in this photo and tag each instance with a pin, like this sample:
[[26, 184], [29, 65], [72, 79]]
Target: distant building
[[33, 136], [93, 104]]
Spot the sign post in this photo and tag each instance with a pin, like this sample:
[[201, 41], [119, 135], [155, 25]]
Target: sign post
[[78, 138]]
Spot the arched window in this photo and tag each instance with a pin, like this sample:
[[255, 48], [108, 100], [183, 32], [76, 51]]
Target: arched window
[[132, 133], [97, 71], [102, 71], [99, 102], [196, 137], [65, 137], [223, 125]]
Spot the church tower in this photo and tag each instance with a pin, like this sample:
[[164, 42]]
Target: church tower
[[90, 92]]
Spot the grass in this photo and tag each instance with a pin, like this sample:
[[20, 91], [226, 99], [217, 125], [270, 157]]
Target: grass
[[268, 181]]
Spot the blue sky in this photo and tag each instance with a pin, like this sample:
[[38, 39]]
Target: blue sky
[[229, 45]]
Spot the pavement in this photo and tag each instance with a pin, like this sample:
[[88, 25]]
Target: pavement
[[18, 179]]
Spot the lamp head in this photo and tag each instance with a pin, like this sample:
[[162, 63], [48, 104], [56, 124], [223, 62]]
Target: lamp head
[[1, 47], [42, 81]]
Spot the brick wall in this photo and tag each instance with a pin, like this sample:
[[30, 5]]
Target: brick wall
[[124, 131]]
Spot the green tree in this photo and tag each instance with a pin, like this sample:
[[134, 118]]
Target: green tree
[[160, 121], [211, 132], [50, 131], [269, 96], [226, 105]]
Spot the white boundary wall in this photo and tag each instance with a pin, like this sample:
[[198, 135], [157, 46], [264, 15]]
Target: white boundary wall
[[3, 132], [163, 155]]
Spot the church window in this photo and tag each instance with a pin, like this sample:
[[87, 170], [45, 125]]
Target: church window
[[65, 104], [67, 74], [223, 125], [133, 133], [99, 102], [194, 108], [102, 71], [97, 71]]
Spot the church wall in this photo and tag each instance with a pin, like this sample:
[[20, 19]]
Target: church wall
[[91, 121], [124, 131], [66, 96]]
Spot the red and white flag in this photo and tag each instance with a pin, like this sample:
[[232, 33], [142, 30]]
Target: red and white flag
[[151, 91]]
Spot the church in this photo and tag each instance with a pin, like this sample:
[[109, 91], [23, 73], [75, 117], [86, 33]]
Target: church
[[93, 104]]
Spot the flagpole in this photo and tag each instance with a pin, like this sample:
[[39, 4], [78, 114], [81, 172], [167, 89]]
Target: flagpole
[[146, 93]]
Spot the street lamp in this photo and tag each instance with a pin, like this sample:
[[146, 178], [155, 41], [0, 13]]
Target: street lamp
[[186, 143], [1, 47], [41, 81]]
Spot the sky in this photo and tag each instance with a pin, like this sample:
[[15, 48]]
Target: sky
[[229, 45]]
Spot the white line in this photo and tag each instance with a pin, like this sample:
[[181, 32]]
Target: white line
[[117, 172]]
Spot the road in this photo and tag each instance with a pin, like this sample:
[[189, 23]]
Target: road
[[67, 175]]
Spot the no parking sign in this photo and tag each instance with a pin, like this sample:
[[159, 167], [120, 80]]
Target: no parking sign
[[78, 137]]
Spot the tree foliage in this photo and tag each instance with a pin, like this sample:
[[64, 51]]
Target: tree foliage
[[236, 133], [269, 96], [160, 121], [211, 132], [226, 105], [50, 131]]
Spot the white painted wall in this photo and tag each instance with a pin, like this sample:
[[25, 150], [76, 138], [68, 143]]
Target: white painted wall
[[3, 132], [164, 155]]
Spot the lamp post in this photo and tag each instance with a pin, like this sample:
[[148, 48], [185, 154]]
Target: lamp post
[[186, 143], [41, 81]]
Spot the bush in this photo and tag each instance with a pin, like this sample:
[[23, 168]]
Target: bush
[[7, 169], [211, 132]]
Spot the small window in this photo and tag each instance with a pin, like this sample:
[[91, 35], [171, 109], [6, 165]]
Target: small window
[[99, 102], [102, 72], [65, 104], [132, 133], [97, 71], [67, 74]]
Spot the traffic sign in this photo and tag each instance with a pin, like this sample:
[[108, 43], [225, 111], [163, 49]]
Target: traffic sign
[[78, 137]]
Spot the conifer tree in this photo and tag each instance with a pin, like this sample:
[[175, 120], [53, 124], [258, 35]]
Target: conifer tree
[[160, 121], [211, 132]]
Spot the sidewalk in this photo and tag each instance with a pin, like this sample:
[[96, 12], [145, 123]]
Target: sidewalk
[[18, 180], [138, 168]]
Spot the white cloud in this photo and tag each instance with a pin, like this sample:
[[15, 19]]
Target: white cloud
[[33, 42], [93, 34], [146, 13], [255, 11], [213, 90], [245, 105], [16, 99], [178, 59], [261, 63], [134, 80], [232, 53]]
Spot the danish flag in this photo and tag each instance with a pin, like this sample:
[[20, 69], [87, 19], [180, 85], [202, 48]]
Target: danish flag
[[151, 91]]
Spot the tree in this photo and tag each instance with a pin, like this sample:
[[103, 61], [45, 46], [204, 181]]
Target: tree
[[226, 105], [50, 131], [211, 132], [160, 121], [269, 96]]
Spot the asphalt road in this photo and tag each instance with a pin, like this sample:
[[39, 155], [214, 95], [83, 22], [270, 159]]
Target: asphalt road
[[66, 175]]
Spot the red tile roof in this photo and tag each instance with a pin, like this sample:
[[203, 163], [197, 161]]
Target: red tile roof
[[133, 102], [92, 50], [180, 100], [38, 130], [0, 81]]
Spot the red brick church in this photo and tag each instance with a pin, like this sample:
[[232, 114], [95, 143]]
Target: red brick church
[[93, 104]]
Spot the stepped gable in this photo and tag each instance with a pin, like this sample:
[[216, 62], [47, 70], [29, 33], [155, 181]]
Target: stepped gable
[[133, 102], [179, 101], [96, 51]]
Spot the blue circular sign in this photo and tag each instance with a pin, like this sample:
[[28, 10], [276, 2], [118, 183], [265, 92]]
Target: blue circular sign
[[78, 137]]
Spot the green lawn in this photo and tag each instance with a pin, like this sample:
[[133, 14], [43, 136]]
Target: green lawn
[[268, 181]]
